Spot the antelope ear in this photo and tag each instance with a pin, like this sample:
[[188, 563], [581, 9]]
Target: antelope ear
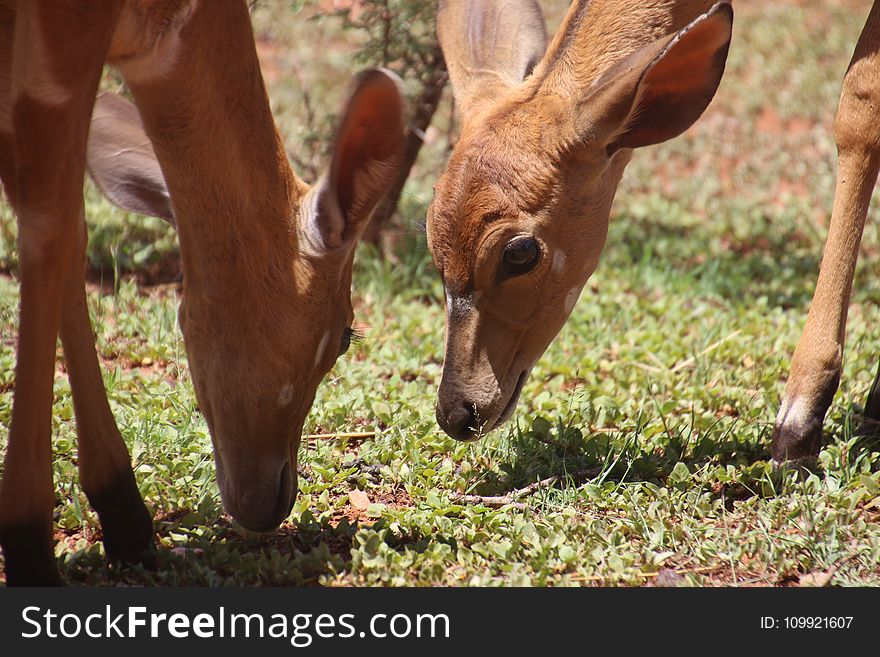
[[659, 91], [367, 155], [121, 160], [490, 46]]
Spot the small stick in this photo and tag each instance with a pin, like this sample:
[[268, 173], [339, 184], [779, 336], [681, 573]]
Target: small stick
[[497, 501], [353, 434], [654, 357], [712, 347], [679, 571], [646, 367], [603, 429], [493, 502]]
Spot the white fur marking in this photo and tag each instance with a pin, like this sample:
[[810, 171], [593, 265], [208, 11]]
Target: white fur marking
[[313, 215], [285, 395], [558, 261], [460, 306], [322, 347], [793, 412], [572, 297]]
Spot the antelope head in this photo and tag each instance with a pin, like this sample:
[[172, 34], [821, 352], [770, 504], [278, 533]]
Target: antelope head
[[520, 216], [267, 260]]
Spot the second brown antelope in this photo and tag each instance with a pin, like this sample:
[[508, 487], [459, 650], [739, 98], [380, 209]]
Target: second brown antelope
[[266, 259], [520, 216]]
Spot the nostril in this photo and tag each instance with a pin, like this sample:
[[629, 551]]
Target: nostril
[[470, 414], [461, 422]]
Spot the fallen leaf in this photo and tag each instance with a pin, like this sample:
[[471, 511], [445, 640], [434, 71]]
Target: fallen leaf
[[359, 499], [816, 579]]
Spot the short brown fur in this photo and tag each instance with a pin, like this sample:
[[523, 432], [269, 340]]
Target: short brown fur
[[266, 258], [540, 157]]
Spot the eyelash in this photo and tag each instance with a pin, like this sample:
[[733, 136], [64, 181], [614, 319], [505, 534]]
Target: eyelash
[[349, 336]]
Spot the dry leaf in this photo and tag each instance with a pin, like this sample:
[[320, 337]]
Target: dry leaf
[[359, 499], [817, 579]]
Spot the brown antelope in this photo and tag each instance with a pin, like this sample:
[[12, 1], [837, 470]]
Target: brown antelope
[[818, 359], [520, 216], [267, 260]]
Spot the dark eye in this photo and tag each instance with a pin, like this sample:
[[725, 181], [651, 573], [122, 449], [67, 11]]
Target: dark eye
[[520, 255], [349, 335]]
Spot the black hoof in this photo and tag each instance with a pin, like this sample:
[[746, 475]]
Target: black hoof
[[126, 523], [798, 434], [33, 574], [29, 556], [129, 540], [146, 558]]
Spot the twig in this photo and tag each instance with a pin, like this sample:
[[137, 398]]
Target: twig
[[656, 359], [497, 501], [493, 502], [358, 435], [712, 347], [680, 571], [646, 367]]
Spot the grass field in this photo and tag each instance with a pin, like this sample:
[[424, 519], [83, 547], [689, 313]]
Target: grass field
[[653, 409]]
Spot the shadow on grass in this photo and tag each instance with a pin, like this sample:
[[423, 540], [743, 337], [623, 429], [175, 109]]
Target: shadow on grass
[[217, 554], [214, 552], [575, 457]]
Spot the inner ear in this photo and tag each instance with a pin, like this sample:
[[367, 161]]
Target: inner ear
[[121, 160], [367, 154], [369, 134], [678, 83]]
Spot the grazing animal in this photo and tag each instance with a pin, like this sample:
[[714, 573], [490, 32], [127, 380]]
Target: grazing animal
[[818, 359], [520, 216], [266, 259]]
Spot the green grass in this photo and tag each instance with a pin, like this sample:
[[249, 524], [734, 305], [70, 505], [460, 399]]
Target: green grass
[[654, 406]]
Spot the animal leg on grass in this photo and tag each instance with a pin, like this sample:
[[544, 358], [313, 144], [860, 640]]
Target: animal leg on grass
[[44, 162], [104, 464], [818, 359]]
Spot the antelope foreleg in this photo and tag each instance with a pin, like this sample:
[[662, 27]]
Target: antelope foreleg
[[104, 464], [818, 359], [47, 102]]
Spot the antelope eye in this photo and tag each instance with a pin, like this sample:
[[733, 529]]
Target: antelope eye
[[345, 342], [520, 255], [349, 335]]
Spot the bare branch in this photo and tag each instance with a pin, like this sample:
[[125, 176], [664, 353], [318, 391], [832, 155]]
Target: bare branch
[[510, 499]]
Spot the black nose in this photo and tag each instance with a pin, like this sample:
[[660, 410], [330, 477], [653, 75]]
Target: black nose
[[262, 509], [460, 422]]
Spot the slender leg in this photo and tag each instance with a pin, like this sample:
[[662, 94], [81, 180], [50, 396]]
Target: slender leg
[[53, 88], [816, 367], [104, 462]]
